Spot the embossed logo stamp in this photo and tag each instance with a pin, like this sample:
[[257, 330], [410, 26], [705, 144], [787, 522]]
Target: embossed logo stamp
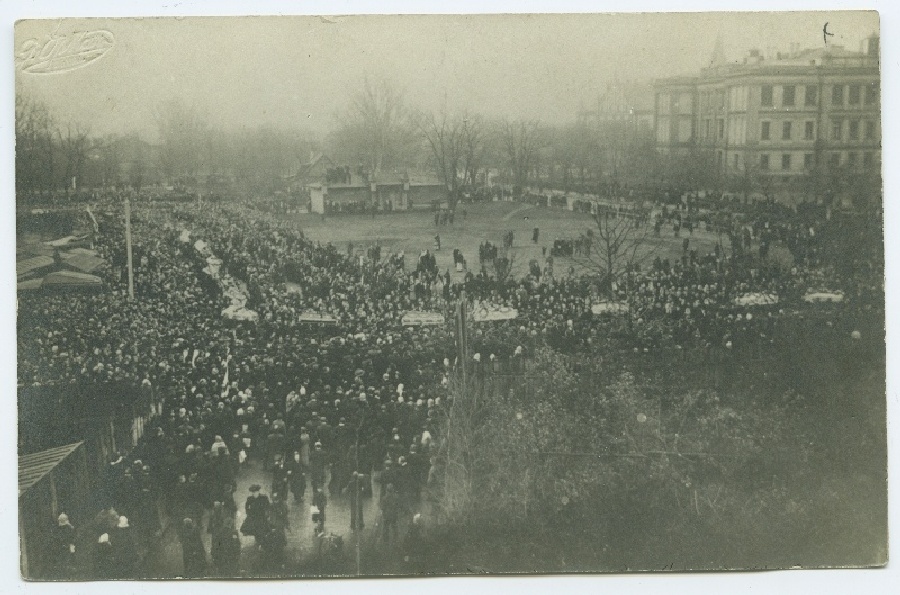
[[58, 53]]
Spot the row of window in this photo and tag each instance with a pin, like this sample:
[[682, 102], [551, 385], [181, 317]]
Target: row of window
[[809, 160], [840, 95], [853, 127]]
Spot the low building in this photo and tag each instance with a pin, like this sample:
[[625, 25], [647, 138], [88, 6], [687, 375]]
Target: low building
[[389, 194], [51, 482]]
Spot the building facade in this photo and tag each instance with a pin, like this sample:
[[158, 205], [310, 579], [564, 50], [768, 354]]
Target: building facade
[[785, 116]]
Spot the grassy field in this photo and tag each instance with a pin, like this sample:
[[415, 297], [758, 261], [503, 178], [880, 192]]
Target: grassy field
[[415, 231]]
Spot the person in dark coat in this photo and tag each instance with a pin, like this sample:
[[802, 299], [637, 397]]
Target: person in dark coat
[[414, 546], [124, 549], [221, 526], [390, 512], [62, 552], [192, 550], [388, 476], [321, 503], [317, 461], [227, 555], [257, 509], [279, 478], [356, 489], [104, 558], [275, 540], [296, 476]]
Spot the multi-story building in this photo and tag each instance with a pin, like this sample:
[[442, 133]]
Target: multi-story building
[[786, 114]]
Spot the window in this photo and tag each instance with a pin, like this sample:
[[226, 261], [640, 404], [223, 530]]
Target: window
[[788, 93], [837, 95], [853, 95], [721, 128], [853, 132], [867, 159], [664, 100], [786, 131], [735, 160], [836, 128], [870, 129], [809, 131], [766, 95], [852, 159], [708, 129], [763, 161], [765, 131], [786, 161], [871, 93], [812, 95], [835, 159], [808, 161]]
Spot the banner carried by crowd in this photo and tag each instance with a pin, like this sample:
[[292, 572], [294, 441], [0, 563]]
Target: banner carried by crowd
[[610, 308], [756, 299], [309, 316], [418, 318], [487, 312], [815, 297]]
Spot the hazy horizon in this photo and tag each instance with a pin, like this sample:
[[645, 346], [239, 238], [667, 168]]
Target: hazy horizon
[[299, 72]]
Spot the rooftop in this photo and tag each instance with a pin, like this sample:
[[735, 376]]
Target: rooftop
[[33, 467]]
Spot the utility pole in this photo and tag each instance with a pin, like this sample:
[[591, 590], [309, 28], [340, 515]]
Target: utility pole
[[128, 248], [462, 336], [357, 500]]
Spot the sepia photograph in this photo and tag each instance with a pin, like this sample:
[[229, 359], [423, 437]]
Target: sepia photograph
[[440, 295]]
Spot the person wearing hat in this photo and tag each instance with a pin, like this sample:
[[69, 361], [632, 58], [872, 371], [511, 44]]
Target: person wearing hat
[[62, 554], [220, 527], [296, 476], [414, 549], [227, 555], [104, 558], [317, 462], [192, 550], [356, 489], [388, 476], [275, 540], [257, 509], [320, 503], [279, 478], [124, 549], [390, 512]]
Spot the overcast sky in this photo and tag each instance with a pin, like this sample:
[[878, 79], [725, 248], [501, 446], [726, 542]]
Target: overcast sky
[[299, 71]]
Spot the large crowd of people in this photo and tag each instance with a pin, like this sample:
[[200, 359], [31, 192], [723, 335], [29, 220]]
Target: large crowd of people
[[350, 407]]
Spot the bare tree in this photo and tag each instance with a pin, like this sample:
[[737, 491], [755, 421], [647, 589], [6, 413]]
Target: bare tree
[[74, 145], [615, 245], [36, 130], [376, 129], [444, 134], [473, 142], [521, 141]]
